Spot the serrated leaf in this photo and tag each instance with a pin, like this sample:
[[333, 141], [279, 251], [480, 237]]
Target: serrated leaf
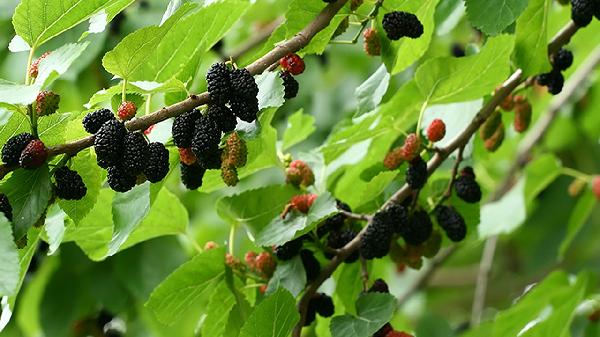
[[37, 21], [13, 93], [373, 311], [579, 215], [275, 316], [194, 281], [270, 90], [57, 63], [219, 306], [9, 268], [493, 16], [296, 224], [300, 126], [448, 79], [531, 43], [348, 285], [52, 128], [141, 87], [28, 192], [370, 93], [399, 55], [255, 208], [25, 256], [289, 275]]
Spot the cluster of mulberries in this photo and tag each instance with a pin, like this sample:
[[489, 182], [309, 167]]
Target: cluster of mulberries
[[583, 11], [402, 24], [68, 184], [292, 65], [25, 151], [321, 304], [554, 80], [235, 88], [492, 132], [375, 242], [311, 265], [126, 155]]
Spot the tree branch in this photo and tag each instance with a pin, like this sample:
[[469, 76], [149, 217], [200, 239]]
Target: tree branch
[[434, 163], [294, 44]]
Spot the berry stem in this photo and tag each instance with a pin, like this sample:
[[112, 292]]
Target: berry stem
[[231, 241], [575, 174], [33, 120], [63, 161], [364, 273], [29, 61], [459, 159], [124, 91], [363, 24], [148, 101]]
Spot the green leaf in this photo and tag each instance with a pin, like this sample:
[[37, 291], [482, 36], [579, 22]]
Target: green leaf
[[15, 124], [348, 285], [13, 93], [505, 215], [25, 256], [193, 281], [447, 79], [28, 192], [219, 306], [540, 173], [55, 227], [85, 164], [370, 92], [158, 53], [493, 16], [270, 90], [579, 215], [289, 275], [399, 55], [9, 268], [532, 38], [128, 210], [53, 128], [275, 316], [296, 224], [373, 311], [299, 127], [37, 21], [255, 208], [57, 63]]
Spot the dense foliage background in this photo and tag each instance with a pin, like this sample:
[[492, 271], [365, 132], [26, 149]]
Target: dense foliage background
[[113, 255]]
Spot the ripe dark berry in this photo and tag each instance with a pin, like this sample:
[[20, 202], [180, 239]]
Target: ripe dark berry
[[397, 215], [11, 152], [212, 160], [192, 175], [218, 83], [5, 207], [290, 85], [371, 45], [554, 80], [206, 138], [596, 186], [436, 130], [292, 63], [379, 286], [337, 221], [458, 50], [157, 166], [69, 184], [120, 180], [401, 24], [135, 152], [223, 116], [183, 128], [411, 147], [416, 174], [387, 328], [34, 68], [312, 267], [418, 228], [34, 155], [467, 187], [451, 222], [108, 143], [322, 304], [245, 109], [340, 238], [94, 120], [375, 243], [46, 103], [562, 59], [288, 250], [582, 12], [126, 110], [243, 84]]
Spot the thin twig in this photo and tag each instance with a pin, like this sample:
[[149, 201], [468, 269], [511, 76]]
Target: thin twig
[[355, 216], [459, 159], [364, 273]]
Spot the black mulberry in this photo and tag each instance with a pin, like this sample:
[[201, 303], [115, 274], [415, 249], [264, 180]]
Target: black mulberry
[[335, 222], [582, 12], [183, 128], [322, 304], [312, 267], [338, 239], [135, 152], [5, 207], [206, 138], [288, 250], [223, 116], [95, 119], [158, 162], [218, 83], [192, 175], [416, 173], [108, 143], [245, 109], [563, 59], [451, 222], [375, 243], [556, 83], [379, 286], [212, 160], [290, 85], [119, 179], [243, 84], [398, 216], [418, 228], [467, 187], [69, 184], [401, 24], [11, 152]]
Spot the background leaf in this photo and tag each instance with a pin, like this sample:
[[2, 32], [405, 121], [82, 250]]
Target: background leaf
[[275, 316], [493, 16]]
